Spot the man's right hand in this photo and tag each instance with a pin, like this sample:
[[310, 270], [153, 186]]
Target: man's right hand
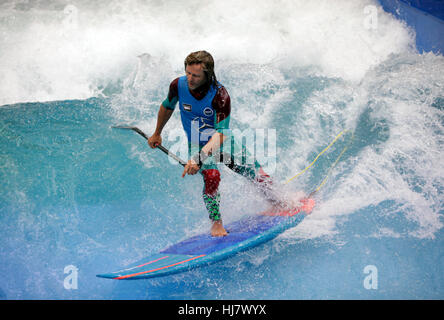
[[154, 140]]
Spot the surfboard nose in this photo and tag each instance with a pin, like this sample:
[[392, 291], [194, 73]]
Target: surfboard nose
[[307, 204]]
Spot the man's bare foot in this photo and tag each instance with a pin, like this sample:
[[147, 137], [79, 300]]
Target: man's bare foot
[[218, 230]]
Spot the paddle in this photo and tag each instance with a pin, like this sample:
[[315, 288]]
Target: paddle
[[162, 148], [271, 196]]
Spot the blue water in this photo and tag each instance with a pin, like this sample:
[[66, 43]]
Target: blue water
[[75, 192]]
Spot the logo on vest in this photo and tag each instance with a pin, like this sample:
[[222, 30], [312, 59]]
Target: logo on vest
[[208, 111], [187, 107]]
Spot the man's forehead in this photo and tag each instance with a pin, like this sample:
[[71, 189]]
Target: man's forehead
[[195, 68]]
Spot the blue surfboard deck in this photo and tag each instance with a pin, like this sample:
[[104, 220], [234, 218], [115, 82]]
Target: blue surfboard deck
[[203, 249]]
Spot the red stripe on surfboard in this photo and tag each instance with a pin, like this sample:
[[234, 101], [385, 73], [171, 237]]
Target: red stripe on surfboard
[[149, 271], [151, 262], [283, 213]]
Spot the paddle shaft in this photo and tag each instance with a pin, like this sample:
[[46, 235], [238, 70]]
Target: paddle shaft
[[183, 163], [159, 146]]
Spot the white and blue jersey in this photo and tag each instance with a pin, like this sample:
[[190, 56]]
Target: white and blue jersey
[[198, 116]]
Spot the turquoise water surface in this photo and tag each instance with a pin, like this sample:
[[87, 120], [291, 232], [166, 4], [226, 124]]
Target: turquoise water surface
[[75, 192]]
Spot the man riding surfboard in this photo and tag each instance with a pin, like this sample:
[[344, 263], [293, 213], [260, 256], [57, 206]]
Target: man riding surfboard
[[205, 107]]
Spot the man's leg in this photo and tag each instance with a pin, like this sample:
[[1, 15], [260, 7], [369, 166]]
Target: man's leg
[[259, 178], [210, 192], [239, 160], [211, 197]]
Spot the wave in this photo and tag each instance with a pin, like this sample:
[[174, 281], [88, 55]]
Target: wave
[[53, 51]]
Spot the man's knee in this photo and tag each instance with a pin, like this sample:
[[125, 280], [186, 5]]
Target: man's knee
[[211, 180]]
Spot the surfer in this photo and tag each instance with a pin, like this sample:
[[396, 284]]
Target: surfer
[[205, 108]]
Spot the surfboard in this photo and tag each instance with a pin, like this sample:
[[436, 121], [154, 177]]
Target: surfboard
[[203, 249]]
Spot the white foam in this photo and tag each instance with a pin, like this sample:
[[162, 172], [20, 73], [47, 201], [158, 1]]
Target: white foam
[[51, 50], [403, 164]]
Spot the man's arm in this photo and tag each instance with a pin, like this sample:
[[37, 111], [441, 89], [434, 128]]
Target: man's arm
[[192, 167], [222, 105], [165, 111], [163, 116], [213, 145]]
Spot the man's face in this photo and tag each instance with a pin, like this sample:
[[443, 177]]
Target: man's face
[[195, 75]]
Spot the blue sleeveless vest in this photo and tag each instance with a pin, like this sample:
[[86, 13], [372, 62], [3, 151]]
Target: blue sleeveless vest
[[198, 116]]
